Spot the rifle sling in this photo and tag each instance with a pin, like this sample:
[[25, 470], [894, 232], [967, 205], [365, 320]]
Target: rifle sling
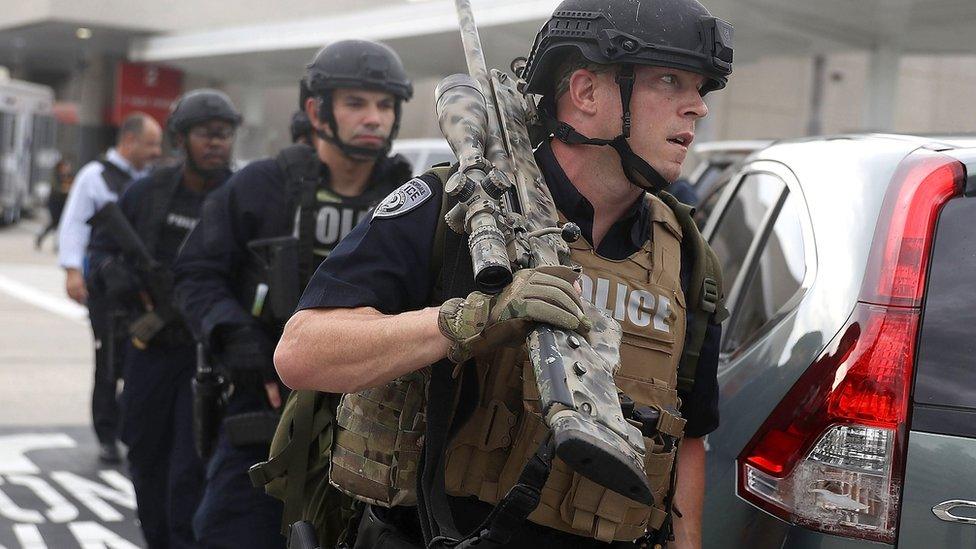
[[116, 179]]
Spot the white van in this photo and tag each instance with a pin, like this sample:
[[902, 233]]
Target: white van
[[27, 145], [424, 153]]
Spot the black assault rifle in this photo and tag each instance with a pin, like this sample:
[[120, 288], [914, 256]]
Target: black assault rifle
[[157, 297]]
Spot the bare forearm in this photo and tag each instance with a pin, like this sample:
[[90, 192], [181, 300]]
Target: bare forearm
[[690, 494], [347, 350]]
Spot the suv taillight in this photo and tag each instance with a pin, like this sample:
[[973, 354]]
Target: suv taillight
[[830, 455]]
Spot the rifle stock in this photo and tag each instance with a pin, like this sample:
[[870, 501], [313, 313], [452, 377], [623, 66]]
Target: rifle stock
[[511, 220]]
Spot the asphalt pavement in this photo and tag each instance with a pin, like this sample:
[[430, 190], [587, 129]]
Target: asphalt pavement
[[54, 493]]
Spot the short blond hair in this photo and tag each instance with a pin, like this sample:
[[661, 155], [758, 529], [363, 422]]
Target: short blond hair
[[572, 63]]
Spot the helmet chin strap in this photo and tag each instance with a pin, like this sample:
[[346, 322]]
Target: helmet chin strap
[[637, 170], [364, 154]]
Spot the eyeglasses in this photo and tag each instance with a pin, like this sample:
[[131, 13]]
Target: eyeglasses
[[222, 134]]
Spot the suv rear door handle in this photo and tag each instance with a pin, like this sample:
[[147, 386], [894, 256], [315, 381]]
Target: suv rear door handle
[[942, 511]]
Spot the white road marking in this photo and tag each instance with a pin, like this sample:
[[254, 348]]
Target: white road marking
[[59, 509], [13, 450], [29, 536], [93, 495], [11, 511], [61, 306], [92, 535]]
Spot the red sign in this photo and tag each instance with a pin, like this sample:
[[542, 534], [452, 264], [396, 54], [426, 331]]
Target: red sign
[[147, 88]]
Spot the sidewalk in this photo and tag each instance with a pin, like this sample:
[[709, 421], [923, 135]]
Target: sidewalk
[[53, 491], [45, 342]]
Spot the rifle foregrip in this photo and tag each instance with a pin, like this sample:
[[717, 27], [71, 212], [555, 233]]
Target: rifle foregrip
[[552, 369]]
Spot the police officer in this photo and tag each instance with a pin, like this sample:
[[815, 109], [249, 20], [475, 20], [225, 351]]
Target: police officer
[[156, 402], [231, 274], [621, 116], [97, 183]]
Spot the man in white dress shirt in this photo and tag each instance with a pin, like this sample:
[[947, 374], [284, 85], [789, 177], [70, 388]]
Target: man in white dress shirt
[[97, 183]]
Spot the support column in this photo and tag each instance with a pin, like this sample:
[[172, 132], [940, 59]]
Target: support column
[[881, 89], [705, 129], [815, 123], [90, 86], [251, 138]]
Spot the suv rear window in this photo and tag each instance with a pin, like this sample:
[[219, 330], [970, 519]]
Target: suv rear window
[[742, 220], [945, 372], [773, 279]]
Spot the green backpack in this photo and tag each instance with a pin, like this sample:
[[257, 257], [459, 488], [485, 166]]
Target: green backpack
[[297, 473]]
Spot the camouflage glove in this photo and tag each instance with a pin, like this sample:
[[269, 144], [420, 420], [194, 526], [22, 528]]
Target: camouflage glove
[[542, 295]]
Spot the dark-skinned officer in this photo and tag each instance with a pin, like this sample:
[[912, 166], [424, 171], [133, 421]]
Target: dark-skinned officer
[[156, 402], [277, 219]]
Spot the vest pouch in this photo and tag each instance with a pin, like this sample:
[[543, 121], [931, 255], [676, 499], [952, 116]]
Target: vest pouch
[[571, 502], [648, 355], [592, 510], [378, 440], [532, 431], [478, 452]]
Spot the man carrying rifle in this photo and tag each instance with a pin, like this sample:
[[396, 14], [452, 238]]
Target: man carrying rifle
[[620, 91], [132, 253], [259, 239], [98, 183]]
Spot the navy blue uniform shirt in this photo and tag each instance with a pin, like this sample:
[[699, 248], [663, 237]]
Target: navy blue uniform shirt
[[213, 286], [385, 264]]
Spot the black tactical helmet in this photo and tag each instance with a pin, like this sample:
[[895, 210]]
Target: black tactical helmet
[[355, 64], [300, 126], [680, 34], [670, 33], [360, 64], [200, 105]]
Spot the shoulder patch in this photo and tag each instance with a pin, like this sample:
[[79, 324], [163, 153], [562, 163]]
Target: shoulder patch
[[411, 194]]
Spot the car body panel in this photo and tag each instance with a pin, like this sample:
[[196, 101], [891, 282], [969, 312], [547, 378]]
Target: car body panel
[[939, 468], [842, 182]]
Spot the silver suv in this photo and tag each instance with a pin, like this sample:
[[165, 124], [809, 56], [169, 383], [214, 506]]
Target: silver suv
[[848, 386]]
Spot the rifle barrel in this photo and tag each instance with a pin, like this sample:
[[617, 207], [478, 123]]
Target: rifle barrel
[[471, 41], [474, 55]]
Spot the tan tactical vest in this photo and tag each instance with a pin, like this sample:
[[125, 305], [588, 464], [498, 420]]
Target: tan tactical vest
[[379, 430], [643, 293]]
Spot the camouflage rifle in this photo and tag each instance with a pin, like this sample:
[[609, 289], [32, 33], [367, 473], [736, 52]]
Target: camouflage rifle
[[508, 213]]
